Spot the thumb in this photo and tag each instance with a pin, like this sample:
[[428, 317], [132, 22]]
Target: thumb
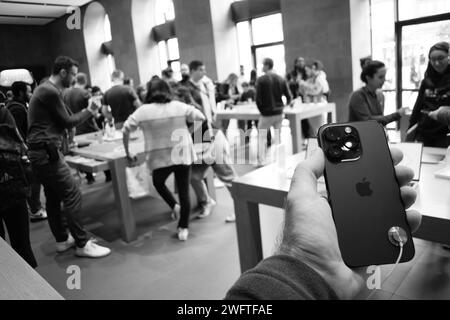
[[304, 181]]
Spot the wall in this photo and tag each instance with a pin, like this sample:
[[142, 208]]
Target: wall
[[24, 47], [195, 33], [321, 30]]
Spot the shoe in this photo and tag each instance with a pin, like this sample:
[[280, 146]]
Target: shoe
[[66, 245], [92, 250], [176, 212], [207, 209], [183, 234], [40, 215], [230, 218]]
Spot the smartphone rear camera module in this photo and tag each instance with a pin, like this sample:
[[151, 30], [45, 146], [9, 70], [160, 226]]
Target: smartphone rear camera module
[[335, 152], [351, 143], [333, 134]]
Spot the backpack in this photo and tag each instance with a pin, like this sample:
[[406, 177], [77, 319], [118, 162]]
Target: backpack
[[15, 167]]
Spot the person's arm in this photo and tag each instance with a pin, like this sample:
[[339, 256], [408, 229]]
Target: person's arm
[[287, 92], [193, 114], [21, 118], [281, 277], [135, 99], [442, 115], [360, 108], [128, 127], [62, 117], [260, 94]]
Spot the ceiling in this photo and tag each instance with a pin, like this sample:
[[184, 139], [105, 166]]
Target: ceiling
[[35, 12]]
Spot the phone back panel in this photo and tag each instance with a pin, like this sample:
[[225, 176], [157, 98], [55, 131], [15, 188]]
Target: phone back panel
[[363, 222]]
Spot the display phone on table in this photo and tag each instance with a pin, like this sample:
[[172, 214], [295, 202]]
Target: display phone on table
[[364, 194]]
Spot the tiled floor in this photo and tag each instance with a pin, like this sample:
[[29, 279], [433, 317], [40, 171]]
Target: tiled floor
[[158, 266]]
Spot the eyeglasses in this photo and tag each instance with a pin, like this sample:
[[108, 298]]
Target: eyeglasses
[[438, 59]]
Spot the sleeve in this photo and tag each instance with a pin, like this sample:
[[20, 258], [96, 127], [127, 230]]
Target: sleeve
[[193, 114], [444, 116], [132, 122], [281, 278], [358, 105], [60, 114], [20, 117], [287, 92], [6, 117], [259, 93], [416, 115]]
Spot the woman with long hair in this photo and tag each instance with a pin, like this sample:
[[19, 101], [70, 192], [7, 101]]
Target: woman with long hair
[[434, 93]]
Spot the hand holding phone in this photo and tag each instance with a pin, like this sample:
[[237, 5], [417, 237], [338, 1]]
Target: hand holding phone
[[364, 194]]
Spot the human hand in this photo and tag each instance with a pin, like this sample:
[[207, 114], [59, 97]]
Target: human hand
[[435, 114], [132, 159], [94, 105], [403, 111], [310, 234]]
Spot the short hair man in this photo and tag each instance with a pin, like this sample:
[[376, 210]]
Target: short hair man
[[49, 120], [270, 88], [121, 100]]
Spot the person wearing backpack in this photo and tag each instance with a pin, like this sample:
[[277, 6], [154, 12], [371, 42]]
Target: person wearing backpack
[[18, 107], [14, 187]]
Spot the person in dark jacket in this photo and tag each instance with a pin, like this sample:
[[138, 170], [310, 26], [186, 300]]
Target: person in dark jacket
[[434, 92], [14, 213], [297, 75], [308, 263], [270, 89], [367, 103], [18, 106]]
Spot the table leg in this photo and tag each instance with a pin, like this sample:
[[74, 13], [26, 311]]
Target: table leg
[[296, 131], [248, 232], [122, 199], [333, 115]]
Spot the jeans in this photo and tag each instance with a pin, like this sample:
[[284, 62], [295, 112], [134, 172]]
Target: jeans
[[60, 187], [182, 178], [34, 200], [15, 217], [265, 123]]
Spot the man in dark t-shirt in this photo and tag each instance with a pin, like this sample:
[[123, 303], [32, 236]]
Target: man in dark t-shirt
[[77, 99], [120, 101], [49, 119]]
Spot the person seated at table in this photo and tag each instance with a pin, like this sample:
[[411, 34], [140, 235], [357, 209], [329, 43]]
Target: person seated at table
[[164, 122], [297, 75], [367, 103], [248, 94], [230, 90], [315, 88], [434, 92], [308, 264]]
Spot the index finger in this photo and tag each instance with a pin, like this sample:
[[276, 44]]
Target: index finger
[[304, 181]]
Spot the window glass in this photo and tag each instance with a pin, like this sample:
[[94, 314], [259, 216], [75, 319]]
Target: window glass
[[267, 29], [410, 9], [162, 48], [164, 11], [174, 53], [107, 29], [244, 47]]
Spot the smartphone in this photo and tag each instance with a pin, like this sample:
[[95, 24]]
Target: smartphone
[[364, 193]]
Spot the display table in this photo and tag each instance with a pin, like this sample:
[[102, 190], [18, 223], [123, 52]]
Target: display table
[[18, 281], [270, 187], [110, 155], [295, 115]]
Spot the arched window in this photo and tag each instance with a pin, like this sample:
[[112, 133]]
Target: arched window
[[98, 43], [164, 11]]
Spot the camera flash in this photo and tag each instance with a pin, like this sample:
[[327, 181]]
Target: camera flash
[[348, 130]]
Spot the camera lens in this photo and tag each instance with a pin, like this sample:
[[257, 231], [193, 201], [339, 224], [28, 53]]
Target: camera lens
[[333, 134], [351, 142], [335, 152]]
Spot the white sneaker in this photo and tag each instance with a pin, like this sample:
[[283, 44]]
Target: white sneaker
[[176, 212], [207, 209], [183, 234], [92, 250], [40, 215], [230, 218], [66, 245]]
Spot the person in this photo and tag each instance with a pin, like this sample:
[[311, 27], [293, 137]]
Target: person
[[270, 88], [315, 88], [185, 74], [49, 119], [14, 212], [367, 103], [120, 101], [434, 92], [168, 76], [77, 98], [296, 75], [248, 93], [253, 78], [308, 263], [161, 118], [18, 106], [195, 92], [128, 82], [441, 115], [141, 92], [230, 90]]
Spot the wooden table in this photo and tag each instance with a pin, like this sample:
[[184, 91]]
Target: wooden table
[[110, 155], [268, 186], [295, 115], [18, 281]]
